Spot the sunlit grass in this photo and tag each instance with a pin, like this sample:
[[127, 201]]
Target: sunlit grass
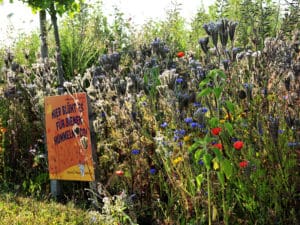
[[21, 210]]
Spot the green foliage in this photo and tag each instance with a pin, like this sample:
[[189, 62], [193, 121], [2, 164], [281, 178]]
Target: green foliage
[[77, 40], [258, 19], [291, 20], [26, 49], [172, 30]]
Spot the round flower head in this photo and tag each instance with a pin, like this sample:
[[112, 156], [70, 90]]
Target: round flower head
[[218, 145], [152, 171], [238, 145], [243, 164], [164, 125], [216, 131], [180, 54], [188, 120], [135, 152]]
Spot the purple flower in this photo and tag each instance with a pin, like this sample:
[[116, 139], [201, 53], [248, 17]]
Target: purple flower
[[152, 171], [200, 162], [103, 114], [180, 132], [194, 124], [197, 104], [188, 120], [164, 125], [179, 80], [135, 152], [204, 110]]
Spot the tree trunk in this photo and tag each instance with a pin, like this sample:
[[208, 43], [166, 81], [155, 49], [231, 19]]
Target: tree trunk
[[43, 29], [60, 71]]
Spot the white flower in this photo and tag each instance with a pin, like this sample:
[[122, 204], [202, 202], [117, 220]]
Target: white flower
[[67, 84]]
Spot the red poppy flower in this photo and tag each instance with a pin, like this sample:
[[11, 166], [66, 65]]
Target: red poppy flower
[[120, 173], [243, 164], [180, 54], [218, 145], [238, 145], [216, 130]]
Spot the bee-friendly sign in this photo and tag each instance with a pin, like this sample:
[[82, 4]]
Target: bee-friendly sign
[[68, 138]]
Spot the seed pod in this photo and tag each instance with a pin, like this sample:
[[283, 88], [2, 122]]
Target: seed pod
[[231, 27], [222, 27], [204, 44]]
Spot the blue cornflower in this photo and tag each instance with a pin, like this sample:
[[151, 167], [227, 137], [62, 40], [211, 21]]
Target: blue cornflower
[[179, 80], [200, 162], [164, 125], [188, 120], [180, 132], [201, 126], [194, 124], [197, 104], [152, 171], [248, 86], [204, 110], [135, 152]]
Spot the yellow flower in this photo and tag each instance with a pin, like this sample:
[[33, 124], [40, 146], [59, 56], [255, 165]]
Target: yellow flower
[[215, 164], [186, 138], [177, 160], [2, 129], [222, 121]]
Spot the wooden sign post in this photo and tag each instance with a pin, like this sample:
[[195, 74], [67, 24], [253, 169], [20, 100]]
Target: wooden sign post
[[68, 139]]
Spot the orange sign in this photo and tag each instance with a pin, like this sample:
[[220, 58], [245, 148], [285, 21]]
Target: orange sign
[[68, 138]]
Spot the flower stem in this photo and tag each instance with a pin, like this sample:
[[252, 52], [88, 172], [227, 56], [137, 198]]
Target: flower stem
[[209, 199], [225, 215]]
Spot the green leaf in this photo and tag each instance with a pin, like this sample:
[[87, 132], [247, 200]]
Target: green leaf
[[221, 178], [205, 92], [199, 180], [217, 91], [198, 154], [218, 153], [229, 128], [227, 168], [194, 146], [207, 160], [204, 82], [230, 106], [213, 122], [221, 74]]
